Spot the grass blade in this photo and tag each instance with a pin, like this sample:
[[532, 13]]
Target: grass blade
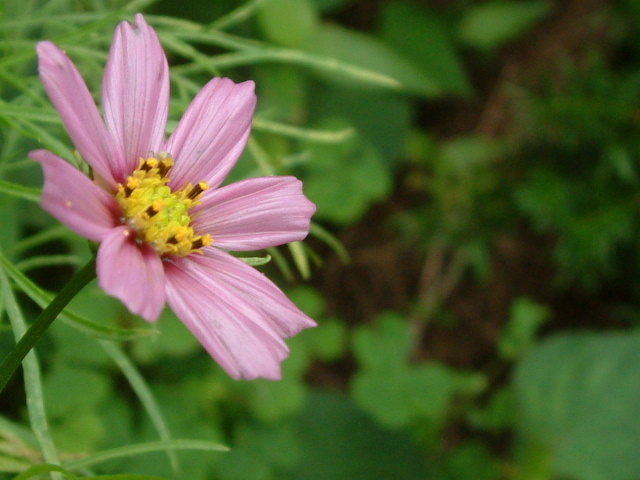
[[141, 448], [32, 376]]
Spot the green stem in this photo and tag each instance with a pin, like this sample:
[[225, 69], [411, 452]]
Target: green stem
[[44, 320]]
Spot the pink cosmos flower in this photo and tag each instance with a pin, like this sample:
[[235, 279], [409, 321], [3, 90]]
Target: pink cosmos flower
[[156, 207]]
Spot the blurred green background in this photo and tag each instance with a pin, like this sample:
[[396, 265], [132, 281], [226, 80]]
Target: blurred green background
[[474, 265]]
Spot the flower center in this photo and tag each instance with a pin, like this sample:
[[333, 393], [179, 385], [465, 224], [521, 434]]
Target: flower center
[[159, 215]]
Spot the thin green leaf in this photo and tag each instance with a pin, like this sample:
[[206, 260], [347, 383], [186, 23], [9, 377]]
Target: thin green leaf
[[175, 44], [40, 261], [256, 261], [300, 258], [43, 298], [237, 16], [357, 59], [32, 113], [282, 263], [34, 131], [18, 82], [128, 476], [20, 191], [53, 233], [40, 20], [13, 464], [32, 377], [259, 52], [36, 470], [260, 156], [16, 165], [335, 244], [142, 448], [317, 62], [9, 428], [139, 385], [308, 134]]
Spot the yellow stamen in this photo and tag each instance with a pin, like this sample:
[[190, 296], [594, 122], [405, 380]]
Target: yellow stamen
[[159, 215]]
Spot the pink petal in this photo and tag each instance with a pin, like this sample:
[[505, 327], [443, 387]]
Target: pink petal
[[238, 315], [71, 197], [135, 92], [212, 133], [79, 113], [256, 213], [131, 272]]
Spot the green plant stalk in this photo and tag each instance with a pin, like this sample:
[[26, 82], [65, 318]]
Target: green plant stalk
[[44, 320]]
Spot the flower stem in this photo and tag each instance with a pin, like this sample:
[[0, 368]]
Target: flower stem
[[44, 320]]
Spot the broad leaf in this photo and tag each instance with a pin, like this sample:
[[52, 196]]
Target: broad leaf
[[422, 37], [490, 25], [370, 55], [578, 397]]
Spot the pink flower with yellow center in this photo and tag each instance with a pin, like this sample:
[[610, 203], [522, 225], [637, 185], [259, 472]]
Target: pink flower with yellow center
[[157, 209]]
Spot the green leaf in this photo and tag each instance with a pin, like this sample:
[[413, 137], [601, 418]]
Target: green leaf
[[382, 395], [489, 25], [525, 319], [548, 199], [32, 373], [81, 431], [256, 261], [35, 131], [325, 56], [143, 448], [21, 436], [622, 162], [128, 476], [498, 414], [386, 345], [272, 401], [300, 258], [382, 120], [174, 340], [42, 298], [283, 90], [332, 242], [361, 50], [332, 5], [343, 180], [578, 404], [11, 225], [144, 393], [473, 461], [328, 341], [20, 191], [299, 133], [420, 35], [308, 299], [288, 22], [12, 464], [422, 392], [260, 451], [340, 442], [36, 470], [393, 390], [245, 465], [465, 156], [66, 391]]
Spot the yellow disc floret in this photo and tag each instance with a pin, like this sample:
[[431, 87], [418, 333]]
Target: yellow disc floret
[[159, 215]]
